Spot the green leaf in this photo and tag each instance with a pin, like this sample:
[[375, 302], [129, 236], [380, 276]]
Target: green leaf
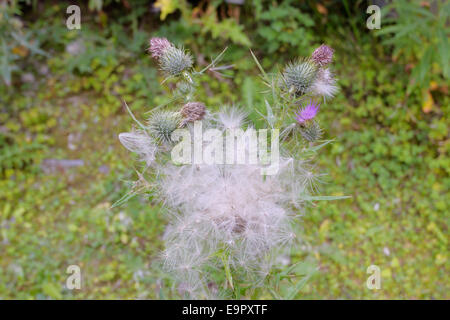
[[32, 47], [421, 72], [443, 49], [224, 257], [247, 93], [320, 146], [270, 116], [260, 67], [274, 294], [133, 117], [298, 287], [51, 290]]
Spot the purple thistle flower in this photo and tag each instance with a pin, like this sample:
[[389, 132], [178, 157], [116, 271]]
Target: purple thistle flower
[[307, 113], [157, 46], [323, 55]]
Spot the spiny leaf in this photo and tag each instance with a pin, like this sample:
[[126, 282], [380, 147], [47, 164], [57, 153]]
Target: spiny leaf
[[260, 67]]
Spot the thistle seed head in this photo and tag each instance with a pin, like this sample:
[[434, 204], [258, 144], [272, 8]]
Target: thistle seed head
[[325, 84], [139, 142], [157, 46], [231, 118], [193, 111], [323, 55], [299, 76], [162, 124], [175, 60], [239, 225]]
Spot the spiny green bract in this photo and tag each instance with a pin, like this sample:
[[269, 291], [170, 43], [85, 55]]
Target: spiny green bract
[[162, 124], [185, 88], [299, 76], [175, 60], [311, 131]]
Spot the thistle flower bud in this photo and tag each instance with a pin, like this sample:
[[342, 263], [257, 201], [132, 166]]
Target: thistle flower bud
[[322, 55], [307, 113], [193, 111], [298, 76], [184, 88], [157, 46], [311, 131], [162, 124], [174, 61]]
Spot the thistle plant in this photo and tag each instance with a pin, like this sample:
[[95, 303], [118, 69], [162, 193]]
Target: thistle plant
[[229, 222]]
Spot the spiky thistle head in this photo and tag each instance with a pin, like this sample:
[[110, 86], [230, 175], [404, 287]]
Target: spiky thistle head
[[193, 111], [158, 46], [174, 61], [311, 131], [298, 76], [185, 88], [162, 124], [323, 55]]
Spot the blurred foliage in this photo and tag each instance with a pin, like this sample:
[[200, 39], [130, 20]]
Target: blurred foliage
[[419, 33], [391, 149], [281, 26], [15, 42]]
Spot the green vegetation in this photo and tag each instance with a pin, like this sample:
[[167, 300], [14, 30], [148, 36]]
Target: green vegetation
[[60, 99]]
